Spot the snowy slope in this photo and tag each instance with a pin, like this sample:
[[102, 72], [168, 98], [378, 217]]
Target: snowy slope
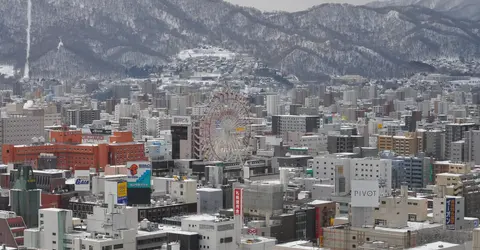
[[467, 9], [104, 37]]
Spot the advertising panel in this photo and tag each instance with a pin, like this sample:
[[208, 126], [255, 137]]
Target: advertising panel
[[95, 139], [139, 174], [318, 222], [365, 193], [82, 180], [238, 201], [181, 120], [450, 213], [122, 193]]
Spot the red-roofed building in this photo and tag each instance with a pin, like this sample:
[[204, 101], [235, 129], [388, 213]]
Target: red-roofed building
[[67, 146]]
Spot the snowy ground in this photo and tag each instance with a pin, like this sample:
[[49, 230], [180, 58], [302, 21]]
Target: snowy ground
[[7, 70], [205, 52]]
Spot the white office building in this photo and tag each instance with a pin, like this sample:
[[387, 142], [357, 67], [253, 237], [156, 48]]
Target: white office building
[[341, 171], [273, 105], [125, 109], [114, 227], [215, 233]]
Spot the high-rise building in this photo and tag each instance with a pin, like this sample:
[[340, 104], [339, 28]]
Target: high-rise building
[[350, 97], [299, 95], [181, 131], [121, 91], [273, 105], [456, 132], [178, 104], [406, 145], [413, 171], [19, 129], [80, 117], [24, 196], [472, 146], [344, 143], [281, 124], [434, 142]]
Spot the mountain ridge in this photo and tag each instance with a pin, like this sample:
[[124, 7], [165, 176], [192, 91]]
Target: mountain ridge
[[103, 37], [465, 9]]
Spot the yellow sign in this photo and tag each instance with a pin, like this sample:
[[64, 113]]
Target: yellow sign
[[240, 129], [380, 126], [321, 241], [122, 189], [332, 221], [344, 118]]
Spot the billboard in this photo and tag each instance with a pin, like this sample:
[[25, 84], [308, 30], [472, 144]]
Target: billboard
[[122, 193], [139, 174], [365, 193], [82, 180], [181, 120], [450, 213], [95, 139], [238, 201]]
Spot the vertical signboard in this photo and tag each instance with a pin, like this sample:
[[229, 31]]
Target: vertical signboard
[[82, 180], [365, 193], [139, 174], [238, 201], [318, 222], [450, 213], [122, 193]]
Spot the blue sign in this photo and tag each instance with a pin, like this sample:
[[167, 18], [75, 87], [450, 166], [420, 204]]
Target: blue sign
[[139, 174], [122, 200], [475, 223], [82, 182], [450, 213]]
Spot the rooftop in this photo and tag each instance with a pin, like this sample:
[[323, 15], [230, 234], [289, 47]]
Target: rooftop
[[435, 245], [412, 226], [300, 244]]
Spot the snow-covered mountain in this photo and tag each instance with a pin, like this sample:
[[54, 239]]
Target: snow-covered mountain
[[103, 37], [467, 9]]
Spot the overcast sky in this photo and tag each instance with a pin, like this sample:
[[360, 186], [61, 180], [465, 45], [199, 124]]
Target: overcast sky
[[290, 5]]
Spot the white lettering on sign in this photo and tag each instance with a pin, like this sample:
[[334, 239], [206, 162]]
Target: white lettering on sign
[[181, 120], [237, 197], [365, 193]]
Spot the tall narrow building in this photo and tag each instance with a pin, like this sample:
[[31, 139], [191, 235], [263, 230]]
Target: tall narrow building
[[24, 196]]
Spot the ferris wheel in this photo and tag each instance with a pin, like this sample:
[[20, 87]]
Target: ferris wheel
[[225, 129]]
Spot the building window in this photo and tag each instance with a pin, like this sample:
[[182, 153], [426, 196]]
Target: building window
[[118, 246]]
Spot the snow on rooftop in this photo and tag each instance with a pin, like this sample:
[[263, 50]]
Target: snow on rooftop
[[206, 189], [300, 244], [435, 245], [201, 217], [319, 202], [412, 226]]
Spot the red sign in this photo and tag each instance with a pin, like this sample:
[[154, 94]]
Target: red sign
[[238, 201], [252, 231]]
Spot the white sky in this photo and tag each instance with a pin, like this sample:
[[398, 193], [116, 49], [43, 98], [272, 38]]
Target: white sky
[[290, 5]]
